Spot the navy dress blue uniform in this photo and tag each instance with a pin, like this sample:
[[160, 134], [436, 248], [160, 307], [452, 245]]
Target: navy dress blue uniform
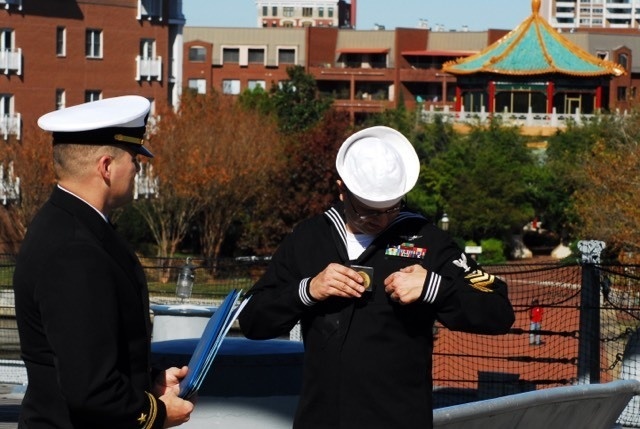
[[81, 295], [368, 359], [83, 314]]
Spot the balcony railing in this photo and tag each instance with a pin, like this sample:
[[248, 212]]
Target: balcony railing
[[530, 119], [10, 125], [148, 68], [11, 61]]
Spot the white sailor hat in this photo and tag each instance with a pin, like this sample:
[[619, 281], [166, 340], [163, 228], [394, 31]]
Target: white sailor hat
[[378, 165], [118, 120]]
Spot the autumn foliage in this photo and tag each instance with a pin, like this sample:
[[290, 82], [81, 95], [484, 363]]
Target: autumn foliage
[[32, 163], [213, 158]]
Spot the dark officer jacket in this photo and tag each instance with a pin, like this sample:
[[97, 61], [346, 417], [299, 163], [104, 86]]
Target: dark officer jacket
[[83, 318], [368, 360]]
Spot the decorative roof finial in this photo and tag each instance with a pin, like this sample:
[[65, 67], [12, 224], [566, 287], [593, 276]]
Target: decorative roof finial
[[535, 7]]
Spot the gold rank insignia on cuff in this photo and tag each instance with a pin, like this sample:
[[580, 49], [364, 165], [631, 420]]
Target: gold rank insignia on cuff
[[481, 280], [146, 420]]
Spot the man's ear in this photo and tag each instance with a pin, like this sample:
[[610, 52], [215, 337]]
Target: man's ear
[[104, 167]]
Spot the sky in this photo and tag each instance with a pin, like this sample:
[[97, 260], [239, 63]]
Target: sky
[[451, 14]]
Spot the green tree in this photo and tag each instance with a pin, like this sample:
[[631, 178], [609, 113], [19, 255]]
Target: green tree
[[481, 180], [297, 102]]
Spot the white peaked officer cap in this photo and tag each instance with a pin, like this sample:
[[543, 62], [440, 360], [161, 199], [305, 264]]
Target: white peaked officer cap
[[118, 120], [378, 165]]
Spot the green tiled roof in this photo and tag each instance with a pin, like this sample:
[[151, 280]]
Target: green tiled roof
[[534, 48]]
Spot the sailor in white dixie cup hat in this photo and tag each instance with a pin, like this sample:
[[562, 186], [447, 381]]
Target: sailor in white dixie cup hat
[[366, 280], [378, 165], [118, 120]]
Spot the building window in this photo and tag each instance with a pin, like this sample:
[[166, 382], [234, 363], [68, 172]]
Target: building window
[[307, 12], [265, 10], [6, 105], [253, 84], [286, 56], [93, 44], [150, 8], [231, 86], [330, 12], [6, 39], [622, 93], [198, 85], [256, 56], [623, 60], [287, 11], [197, 54], [61, 99], [287, 24], [92, 95], [603, 55], [320, 12], [147, 49], [61, 41], [274, 11], [231, 55]]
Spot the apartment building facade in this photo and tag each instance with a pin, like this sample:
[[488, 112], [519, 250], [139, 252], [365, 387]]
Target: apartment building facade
[[369, 71], [61, 53], [568, 15], [306, 13]]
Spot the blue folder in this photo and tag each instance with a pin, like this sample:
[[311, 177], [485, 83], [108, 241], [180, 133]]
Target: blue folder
[[209, 343]]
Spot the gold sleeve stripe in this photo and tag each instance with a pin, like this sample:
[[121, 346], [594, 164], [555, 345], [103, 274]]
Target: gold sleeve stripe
[[481, 280], [153, 412]]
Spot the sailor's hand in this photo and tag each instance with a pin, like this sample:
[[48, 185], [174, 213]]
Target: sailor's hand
[[405, 286], [336, 280]]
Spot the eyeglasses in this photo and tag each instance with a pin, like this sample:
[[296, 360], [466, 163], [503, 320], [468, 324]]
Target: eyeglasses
[[373, 214]]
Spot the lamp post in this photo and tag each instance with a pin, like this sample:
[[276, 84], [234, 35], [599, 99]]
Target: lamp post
[[444, 222], [186, 278]]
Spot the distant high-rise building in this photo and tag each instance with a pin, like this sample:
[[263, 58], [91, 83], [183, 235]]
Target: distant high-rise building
[[306, 13], [567, 15]]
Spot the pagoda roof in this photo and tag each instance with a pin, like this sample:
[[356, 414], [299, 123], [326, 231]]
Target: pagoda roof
[[534, 48]]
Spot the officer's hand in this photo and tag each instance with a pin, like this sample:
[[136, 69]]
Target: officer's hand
[[178, 409], [336, 280], [169, 380], [405, 286]]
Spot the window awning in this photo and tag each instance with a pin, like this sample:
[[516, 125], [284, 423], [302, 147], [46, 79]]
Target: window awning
[[439, 53], [363, 51]]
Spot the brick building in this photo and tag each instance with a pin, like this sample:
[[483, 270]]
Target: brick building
[[58, 53], [306, 13], [368, 71]]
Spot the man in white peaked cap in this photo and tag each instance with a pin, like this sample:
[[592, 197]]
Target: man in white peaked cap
[[367, 280], [82, 304]]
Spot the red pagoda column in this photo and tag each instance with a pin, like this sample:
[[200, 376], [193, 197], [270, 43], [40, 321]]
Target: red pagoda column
[[551, 87], [492, 97], [598, 97], [458, 99]]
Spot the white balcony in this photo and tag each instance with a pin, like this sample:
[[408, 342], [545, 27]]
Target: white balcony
[[11, 61], [148, 68], [10, 125]]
